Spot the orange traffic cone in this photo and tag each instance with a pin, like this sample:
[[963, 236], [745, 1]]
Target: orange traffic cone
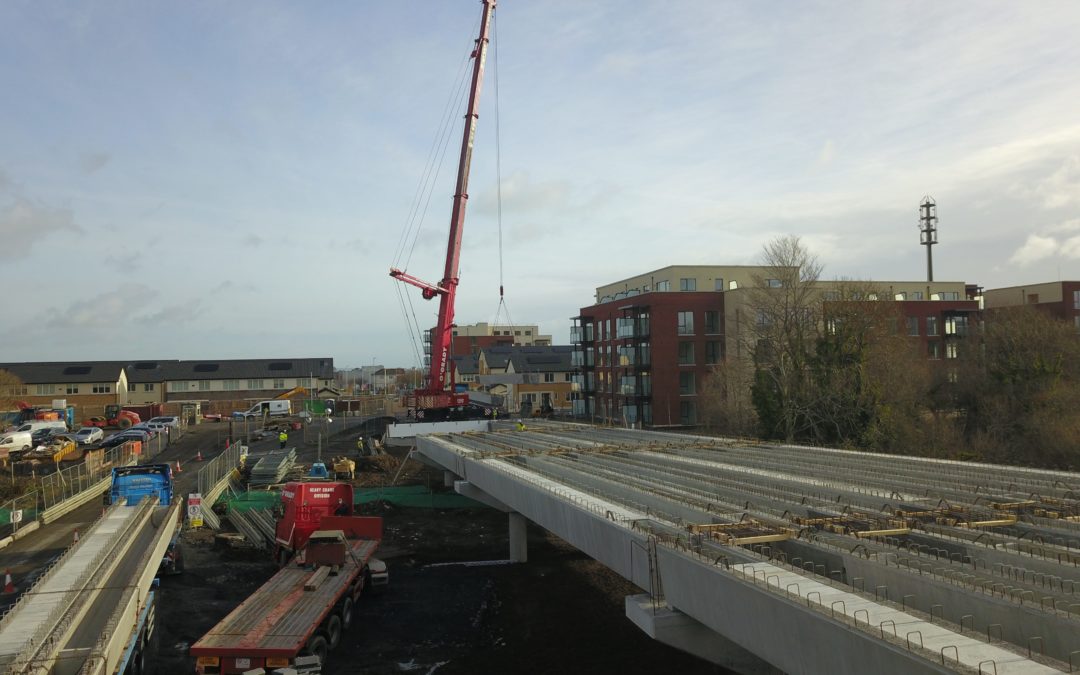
[[178, 469], [8, 586], [198, 456]]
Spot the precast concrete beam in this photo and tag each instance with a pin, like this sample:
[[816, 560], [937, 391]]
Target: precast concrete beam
[[689, 635], [467, 489]]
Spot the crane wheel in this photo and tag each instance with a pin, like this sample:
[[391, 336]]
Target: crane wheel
[[333, 631]]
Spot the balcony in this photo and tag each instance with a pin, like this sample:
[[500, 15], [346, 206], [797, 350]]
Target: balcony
[[632, 328], [638, 357], [583, 358], [579, 334], [583, 381], [631, 386]]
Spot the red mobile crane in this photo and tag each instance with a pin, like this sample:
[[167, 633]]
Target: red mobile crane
[[434, 397]]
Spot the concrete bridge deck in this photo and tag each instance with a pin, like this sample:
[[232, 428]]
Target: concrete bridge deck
[[776, 558]]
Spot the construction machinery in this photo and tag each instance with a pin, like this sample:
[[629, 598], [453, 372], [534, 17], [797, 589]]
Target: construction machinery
[[114, 416], [437, 400]]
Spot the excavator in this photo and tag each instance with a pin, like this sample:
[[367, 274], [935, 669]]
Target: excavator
[[292, 392], [437, 400]]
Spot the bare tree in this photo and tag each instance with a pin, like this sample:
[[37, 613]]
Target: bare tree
[[725, 401], [785, 304], [12, 390]]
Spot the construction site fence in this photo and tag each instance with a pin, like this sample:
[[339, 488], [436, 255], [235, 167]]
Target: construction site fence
[[219, 468], [18, 512], [418, 496], [96, 466], [415, 495]]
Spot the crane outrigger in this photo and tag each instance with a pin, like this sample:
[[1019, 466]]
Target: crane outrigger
[[435, 399]]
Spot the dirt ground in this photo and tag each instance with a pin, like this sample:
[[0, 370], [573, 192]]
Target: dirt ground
[[561, 612]]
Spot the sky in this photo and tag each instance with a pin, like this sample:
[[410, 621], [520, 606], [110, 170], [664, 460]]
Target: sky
[[206, 180]]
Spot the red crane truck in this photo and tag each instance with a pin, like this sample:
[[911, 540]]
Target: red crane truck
[[302, 610], [436, 401]]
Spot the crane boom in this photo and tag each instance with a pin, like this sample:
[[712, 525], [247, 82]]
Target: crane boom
[[435, 394]]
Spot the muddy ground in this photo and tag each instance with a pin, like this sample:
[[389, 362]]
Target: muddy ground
[[561, 612]]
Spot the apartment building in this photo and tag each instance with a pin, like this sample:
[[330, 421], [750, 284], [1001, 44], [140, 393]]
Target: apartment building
[[1060, 299], [644, 349], [471, 339]]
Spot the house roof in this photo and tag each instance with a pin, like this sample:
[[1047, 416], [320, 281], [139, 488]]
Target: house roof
[[166, 370], [65, 372], [530, 359], [467, 364]]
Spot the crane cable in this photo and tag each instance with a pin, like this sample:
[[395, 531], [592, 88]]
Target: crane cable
[[502, 306], [410, 233]]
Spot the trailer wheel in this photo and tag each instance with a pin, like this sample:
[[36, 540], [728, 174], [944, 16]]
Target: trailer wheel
[[333, 631], [318, 646], [346, 613]]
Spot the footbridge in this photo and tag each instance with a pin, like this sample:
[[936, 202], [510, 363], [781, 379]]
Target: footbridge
[[770, 558], [83, 614]]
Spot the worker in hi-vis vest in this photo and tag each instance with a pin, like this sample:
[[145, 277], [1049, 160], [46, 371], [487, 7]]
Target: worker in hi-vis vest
[[283, 438]]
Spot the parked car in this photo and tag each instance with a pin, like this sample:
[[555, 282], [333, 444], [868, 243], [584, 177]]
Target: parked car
[[137, 433], [166, 421], [88, 435], [40, 437], [118, 439], [156, 427]]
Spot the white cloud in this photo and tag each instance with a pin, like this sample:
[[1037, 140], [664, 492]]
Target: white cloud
[[25, 222], [1035, 249], [110, 311]]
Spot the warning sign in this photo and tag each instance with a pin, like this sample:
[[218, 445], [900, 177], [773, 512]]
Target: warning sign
[[194, 510]]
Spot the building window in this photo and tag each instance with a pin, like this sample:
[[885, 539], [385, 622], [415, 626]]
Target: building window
[[916, 295], [900, 296], [718, 284], [279, 384], [686, 323], [773, 283], [528, 332], [733, 285], [230, 385], [179, 385], [204, 385], [1076, 322], [686, 413], [687, 284], [713, 352], [132, 386], [950, 295], [517, 332], [255, 384], [663, 286], [956, 325], [306, 381], [149, 386], [686, 384], [950, 350], [933, 349], [712, 322], [549, 377], [44, 390], [913, 325], [102, 389], [72, 389], [931, 325], [831, 296], [686, 353]]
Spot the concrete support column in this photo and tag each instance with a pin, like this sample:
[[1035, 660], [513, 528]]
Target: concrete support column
[[519, 541], [448, 478]]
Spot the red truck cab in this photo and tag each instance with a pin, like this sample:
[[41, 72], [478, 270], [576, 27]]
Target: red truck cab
[[304, 508]]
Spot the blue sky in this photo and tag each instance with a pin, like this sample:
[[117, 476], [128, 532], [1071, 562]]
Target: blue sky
[[225, 180]]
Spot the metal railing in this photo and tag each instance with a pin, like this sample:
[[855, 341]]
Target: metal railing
[[70, 482]]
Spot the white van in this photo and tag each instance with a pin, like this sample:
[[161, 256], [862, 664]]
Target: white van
[[15, 441], [271, 408], [31, 427]]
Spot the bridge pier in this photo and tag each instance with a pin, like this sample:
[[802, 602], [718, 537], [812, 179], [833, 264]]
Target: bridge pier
[[518, 524]]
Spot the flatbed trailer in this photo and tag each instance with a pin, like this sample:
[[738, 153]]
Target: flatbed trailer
[[302, 610]]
